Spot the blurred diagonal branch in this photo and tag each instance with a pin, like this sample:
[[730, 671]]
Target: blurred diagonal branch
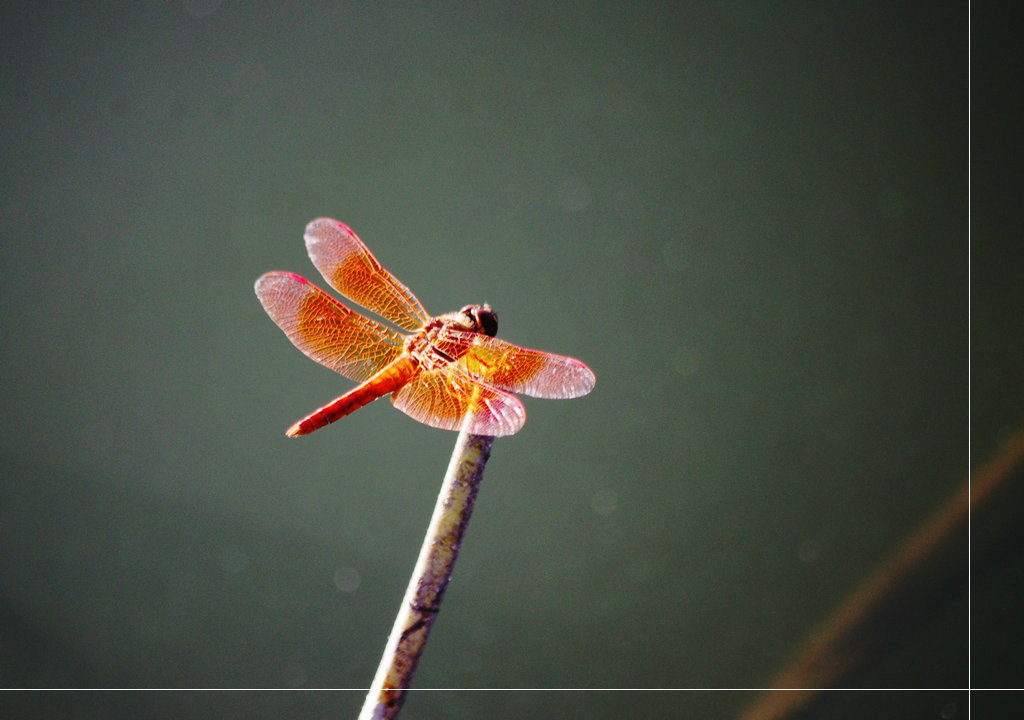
[[871, 615]]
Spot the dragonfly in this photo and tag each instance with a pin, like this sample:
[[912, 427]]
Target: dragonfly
[[448, 371]]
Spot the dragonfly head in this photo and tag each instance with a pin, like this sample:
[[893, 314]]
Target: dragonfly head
[[481, 319]]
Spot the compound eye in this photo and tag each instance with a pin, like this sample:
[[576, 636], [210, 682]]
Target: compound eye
[[488, 320]]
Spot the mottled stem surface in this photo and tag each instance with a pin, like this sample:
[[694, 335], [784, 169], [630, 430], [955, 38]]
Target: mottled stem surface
[[430, 577]]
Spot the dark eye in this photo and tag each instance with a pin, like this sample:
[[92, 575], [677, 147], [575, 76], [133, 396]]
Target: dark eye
[[488, 321]]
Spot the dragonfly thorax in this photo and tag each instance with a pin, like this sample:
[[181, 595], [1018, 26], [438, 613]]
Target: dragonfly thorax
[[472, 318], [437, 344]]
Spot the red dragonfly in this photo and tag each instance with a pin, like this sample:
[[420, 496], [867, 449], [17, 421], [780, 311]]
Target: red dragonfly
[[449, 371]]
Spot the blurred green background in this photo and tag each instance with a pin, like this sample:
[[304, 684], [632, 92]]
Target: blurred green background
[[750, 219]]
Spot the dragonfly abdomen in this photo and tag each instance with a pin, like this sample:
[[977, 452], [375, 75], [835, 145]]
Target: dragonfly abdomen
[[386, 380]]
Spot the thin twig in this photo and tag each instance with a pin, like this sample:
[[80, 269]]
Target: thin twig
[[871, 614], [430, 577]]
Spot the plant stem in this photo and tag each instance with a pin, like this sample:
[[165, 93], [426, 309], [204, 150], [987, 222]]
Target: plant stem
[[878, 609], [430, 577]]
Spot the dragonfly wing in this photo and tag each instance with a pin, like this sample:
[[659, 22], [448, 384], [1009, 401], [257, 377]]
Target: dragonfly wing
[[452, 401], [517, 369], [325, 329], [348, 265]]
